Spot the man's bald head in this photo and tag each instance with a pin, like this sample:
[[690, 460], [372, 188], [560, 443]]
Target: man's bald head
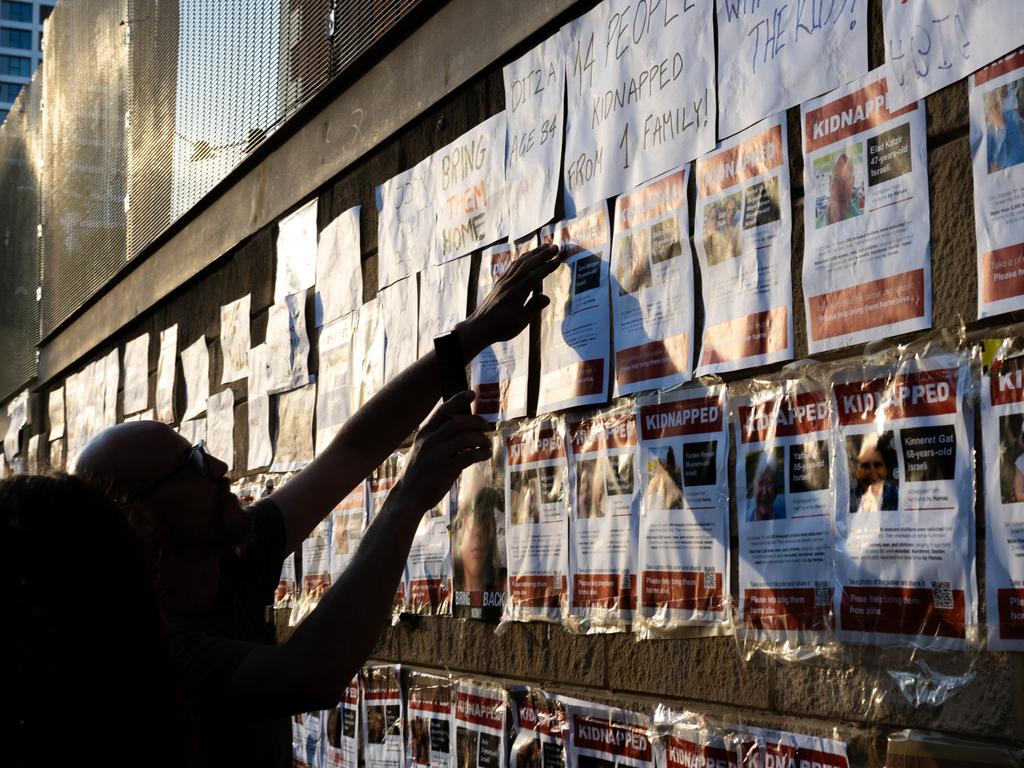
[[129, 456]]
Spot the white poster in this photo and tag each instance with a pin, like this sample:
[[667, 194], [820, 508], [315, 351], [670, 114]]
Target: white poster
[[603, 533], [165, 371], [234, 339], [293, 448], [405, 224], [601, 737], [136, 374], [574, 334], [537, 521], [220, 427], [261, 451], [867, 247], [761, 746], [499, 375], [195, 365], [640, 81], [383, 739], [775, 54], [430, 721], [683, 553], [904, 475], [930, 44], [367, 354], [288, 344], [399, 304], [743, 234], [534, 105], [479, 731], [333, 398], [652, 286], [111, 381], [348, 523], [17, 419], [296, 252], [55, 411], [428, 568], [997, 146], [341, 746], [443, 300], [286, 587], [194, 431], [469, 190], [339, 272], [687, 740], [785, 509], [316, 569]]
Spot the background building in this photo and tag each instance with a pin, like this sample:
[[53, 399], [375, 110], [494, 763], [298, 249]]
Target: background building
[[21, 46]]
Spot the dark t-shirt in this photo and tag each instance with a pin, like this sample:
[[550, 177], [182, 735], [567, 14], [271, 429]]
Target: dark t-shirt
[[210, 645]]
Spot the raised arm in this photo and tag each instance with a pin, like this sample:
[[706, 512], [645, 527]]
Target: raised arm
[[380, 426]]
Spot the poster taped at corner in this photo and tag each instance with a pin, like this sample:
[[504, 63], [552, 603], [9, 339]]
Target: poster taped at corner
[[341, 746], [383, 717], [540, 728], [428, 568], [867, 250], [405, 224], [379, 485], [443, 300], [430, 721], [601, 736], [479, 729], [348, 523]]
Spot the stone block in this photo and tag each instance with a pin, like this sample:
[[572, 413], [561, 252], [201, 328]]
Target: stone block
[[954, 249]]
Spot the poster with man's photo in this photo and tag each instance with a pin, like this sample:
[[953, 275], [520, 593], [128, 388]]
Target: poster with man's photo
[[478, 539], [341, 741], [383, 717], [867, 240], [683, 551], [428, 569], [652, 285], [430, 721], [904, 480], [479, 728], [604, 472], [742, 231], [784, 507], [997, 146]]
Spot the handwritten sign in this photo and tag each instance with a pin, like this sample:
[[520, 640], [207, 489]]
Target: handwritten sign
[[775, 54], [443, 302], [405, 224], [534, 97], [641, 94], [296, 251], [468, 179], [932, 43]]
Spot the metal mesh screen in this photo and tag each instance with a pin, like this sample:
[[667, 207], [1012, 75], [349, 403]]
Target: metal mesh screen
[[358, 25]]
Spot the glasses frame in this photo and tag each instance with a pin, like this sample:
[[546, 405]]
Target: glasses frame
[[196, 457]]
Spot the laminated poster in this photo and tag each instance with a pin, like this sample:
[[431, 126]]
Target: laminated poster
[[604, 529], [905, 527], [286, 588], [775, 54], [195, 365], [444, 298], [428, 568], [380, 483], [287, 344], [333, 404], [534, 105], [339, 272], [601, 737], [165, 370], [683, 551], [293, 448], [341, 743], [537, 521], [743, 234], [867, 248], [296, 252], [399, 304], [307, 739], [55, 413], [479, 727], [652, 286], [430, 721], [785, 509], [136, 374], [640, 84], [687, 740], [316, 569], [261, 451], [220, 427], [383, 739], [574, 335], [541, 728], [348, 524], [997, 146], [367, 353], [761, 746], [405, 224], [234, 339]]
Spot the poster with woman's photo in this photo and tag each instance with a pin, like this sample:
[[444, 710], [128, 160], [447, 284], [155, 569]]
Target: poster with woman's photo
[[604, 472], [1002, 434], [904, 481], [743, 231], [383, 716], [784, 507], [602, 737], [478, 539], [683, 552], [341, 742], [540, 728], [997, 146], [379, 485], [428, 569], [479, 728], [867, 241], [537, 521], [430, 721], [652, 285]]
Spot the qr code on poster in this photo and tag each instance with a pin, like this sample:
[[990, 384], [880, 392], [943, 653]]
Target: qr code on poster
[[821, 595], [708, 579], [942, 595]]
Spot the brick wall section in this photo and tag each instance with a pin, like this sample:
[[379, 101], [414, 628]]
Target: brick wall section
[[704, 674]]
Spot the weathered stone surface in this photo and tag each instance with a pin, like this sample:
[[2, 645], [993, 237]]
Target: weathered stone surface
[[954, 260]]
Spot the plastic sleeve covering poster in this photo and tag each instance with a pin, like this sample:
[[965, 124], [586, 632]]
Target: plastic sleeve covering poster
[[652, 286], [479, 728], [640, 83], [784, 506], [478, 538], [220, 427], [537, 521], [930, 44], [774, 54], [341, 747], [469, 190], [430, 721], [444, 298], [339, 275], [307, 739], [334, 384], [1002, 429], [997, 146], [763, 747], [405, 224], [234, 339], [541, 729], [867, 252], [383, 739], [257, 407], [905, 503], [534, 105], [380, 483], [348, 523], [605, 504], [399, 304], [743, 234], [574, 336], [500, 373], [601, 738], [686, 740], [429, 566], [683, 550]]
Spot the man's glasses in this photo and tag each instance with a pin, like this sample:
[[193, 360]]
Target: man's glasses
[[197, 458]]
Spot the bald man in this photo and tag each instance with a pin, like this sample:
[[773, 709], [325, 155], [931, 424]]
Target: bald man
[[842, 204], [216, 566]]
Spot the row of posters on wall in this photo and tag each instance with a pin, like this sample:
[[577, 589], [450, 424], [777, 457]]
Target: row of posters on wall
[[853, 487]]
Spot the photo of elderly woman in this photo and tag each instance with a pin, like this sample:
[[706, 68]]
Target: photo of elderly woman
[[766, 499], [874, 473]]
